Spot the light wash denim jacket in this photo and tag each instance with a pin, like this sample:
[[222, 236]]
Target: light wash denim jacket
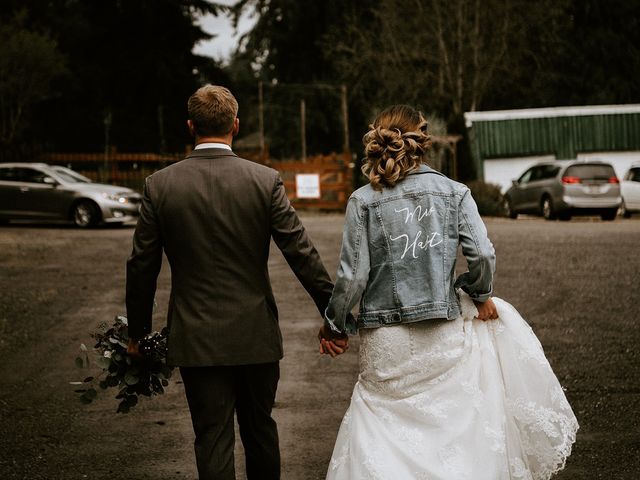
[[399, 253]]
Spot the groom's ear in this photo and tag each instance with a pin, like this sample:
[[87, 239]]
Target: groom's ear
[[192, 130], [236, 127]]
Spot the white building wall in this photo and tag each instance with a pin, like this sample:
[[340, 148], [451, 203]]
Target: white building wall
[[501, 171]]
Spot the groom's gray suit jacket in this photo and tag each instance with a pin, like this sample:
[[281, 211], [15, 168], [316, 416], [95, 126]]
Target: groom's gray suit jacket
[[214, 215]]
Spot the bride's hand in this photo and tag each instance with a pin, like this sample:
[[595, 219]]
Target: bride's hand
[[486, 310], [331, 343]]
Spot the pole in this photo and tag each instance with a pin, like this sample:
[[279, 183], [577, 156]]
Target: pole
[[261, 119], [162, 145], [345, 117], [163, 140], [107, 127], [303, 134]]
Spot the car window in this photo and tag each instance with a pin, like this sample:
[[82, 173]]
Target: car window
[[591, 171], [70, 176], [8, 174], [550, 171], [526, 176], [543, 172], [29, 175], [536, 174], [634, 175]]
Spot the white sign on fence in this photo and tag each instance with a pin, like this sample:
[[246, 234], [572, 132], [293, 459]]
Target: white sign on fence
[[308, 185]]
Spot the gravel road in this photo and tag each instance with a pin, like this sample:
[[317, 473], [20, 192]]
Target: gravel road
[[575, 282]]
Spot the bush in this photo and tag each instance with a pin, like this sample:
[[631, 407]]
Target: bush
[[488, 198]]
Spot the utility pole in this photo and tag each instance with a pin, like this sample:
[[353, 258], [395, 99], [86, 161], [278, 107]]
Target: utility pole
[[261, 120], [303, 133], [345, 117], [303, 141], [107, 128], [163, 140]]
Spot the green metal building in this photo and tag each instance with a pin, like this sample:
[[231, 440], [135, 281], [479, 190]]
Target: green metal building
[[504, 143]]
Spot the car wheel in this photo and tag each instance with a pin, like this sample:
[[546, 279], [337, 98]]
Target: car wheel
[[609, 215], [85, 214], [547, 209], [508, 209], [623, 211]]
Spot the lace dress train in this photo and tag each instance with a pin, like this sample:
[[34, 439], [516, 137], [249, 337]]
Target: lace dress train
[[449, 400]]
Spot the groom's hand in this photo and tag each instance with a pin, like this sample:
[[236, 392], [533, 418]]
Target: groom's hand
[[133, 348], [333, 347], [332, 343]]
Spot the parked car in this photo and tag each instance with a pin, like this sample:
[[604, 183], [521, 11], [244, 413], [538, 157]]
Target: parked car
[[562, 189], [50, 192], [630, 187]]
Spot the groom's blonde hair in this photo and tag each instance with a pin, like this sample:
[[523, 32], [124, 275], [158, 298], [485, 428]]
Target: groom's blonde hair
[[212, 110]]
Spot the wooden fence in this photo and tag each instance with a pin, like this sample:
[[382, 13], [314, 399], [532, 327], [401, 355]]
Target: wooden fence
[[126, 169], [334, 173]]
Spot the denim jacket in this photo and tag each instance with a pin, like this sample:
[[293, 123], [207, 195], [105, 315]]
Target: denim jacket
[[399, 251]]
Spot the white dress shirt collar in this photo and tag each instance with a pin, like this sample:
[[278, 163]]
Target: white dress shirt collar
[[212, 145]]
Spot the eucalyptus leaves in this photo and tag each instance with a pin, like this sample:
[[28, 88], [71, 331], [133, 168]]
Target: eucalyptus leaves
[[131, 375]]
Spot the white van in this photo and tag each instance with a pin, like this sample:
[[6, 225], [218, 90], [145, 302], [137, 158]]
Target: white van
[[630, 190]]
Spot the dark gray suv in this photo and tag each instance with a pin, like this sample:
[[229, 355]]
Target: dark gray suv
[[562, 189]]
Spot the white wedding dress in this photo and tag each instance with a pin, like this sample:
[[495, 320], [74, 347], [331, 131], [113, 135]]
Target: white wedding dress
[[449, 400]]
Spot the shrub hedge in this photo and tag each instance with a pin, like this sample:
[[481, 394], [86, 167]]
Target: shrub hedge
[[488, 198]]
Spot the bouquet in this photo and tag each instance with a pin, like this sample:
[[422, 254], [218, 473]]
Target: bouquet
[[132, 376]]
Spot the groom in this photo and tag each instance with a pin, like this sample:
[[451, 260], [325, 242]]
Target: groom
[[214, 214]]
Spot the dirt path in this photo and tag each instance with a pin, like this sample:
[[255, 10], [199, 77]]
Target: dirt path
[[576, 283]]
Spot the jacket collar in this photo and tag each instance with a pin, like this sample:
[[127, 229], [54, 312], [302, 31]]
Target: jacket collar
[[210, 153], [424, 168]]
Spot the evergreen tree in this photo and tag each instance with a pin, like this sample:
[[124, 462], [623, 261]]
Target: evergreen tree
[[131, 69]]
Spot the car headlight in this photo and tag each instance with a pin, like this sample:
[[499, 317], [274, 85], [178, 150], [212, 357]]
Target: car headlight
[[116, 197]]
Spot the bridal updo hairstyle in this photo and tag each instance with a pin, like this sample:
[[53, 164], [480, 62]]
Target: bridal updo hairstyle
[[395, 145]]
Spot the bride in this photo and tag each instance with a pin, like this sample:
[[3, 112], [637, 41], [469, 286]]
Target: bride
[[453, 384]]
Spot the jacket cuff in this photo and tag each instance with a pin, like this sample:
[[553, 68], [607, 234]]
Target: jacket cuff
[[480, 297], [331, 323]]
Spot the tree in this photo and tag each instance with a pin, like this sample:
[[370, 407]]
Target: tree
[[130, 61], [442, 56], [446, 54], [29, 63], [600, 59], [286, 51]]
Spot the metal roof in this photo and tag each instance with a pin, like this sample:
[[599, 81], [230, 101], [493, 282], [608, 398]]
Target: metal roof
[[552, 112]]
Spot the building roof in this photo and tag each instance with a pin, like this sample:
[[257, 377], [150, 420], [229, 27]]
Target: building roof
[[551, 112]]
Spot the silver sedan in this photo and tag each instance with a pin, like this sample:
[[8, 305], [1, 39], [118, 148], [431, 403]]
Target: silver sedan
[[39, 191]]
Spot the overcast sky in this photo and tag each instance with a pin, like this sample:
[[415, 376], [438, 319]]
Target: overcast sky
[[222, 45]]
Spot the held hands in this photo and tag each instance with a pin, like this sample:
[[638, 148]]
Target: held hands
[[486, 310], [332, 343]]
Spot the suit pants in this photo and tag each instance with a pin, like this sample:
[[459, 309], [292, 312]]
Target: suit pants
[[213, 394]]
